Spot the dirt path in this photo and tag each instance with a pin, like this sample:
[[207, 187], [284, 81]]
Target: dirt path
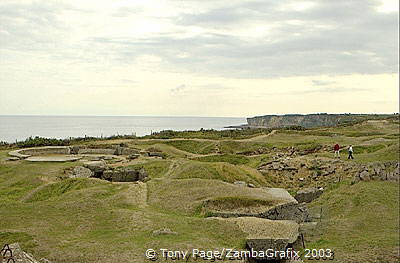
[[136, 194], [258, 138]]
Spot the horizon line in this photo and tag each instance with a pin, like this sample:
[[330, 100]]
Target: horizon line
[[188, 116]]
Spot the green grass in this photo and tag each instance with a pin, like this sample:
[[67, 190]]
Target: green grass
[[368, 148], [154, 169], [234, 147], [358, 217], [197, 147], [56, 190], [227, 158], [218, 171], [233, 202]]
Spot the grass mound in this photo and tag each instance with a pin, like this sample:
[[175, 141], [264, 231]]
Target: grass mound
[[233, 147], [186, 196], [197, 147], [359, 217], [154, 169], [57, 189], [219, 171], [234, 202]]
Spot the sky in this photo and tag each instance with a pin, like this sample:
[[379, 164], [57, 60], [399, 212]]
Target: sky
[[233, 58]]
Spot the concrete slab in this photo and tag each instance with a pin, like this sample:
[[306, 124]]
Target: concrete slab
[[58, 158]]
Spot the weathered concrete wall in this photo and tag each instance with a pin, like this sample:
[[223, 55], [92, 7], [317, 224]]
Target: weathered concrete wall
[[25, 153], [95, 151], [124, 175]]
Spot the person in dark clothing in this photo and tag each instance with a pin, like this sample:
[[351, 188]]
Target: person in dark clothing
[[350, 152]]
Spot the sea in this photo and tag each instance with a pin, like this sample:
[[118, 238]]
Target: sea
[[18, 127]]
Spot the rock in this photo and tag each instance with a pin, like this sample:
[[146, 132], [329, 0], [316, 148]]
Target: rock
[[133, 156], [307, 195], [308, 227], [384, 171], [156, 154], [98, 167], [142, 175], [251, 185], [365, 176], [74, 149], [124, 175], [240, 183], [18, 255], [12, 159], [290, 211], [290, 168], [144, 153], [264, 234], [164, 231], [55, 158], [81, 172], [272, 203]]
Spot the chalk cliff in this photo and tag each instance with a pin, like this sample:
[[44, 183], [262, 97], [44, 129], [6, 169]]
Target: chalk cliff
[[310, 120]]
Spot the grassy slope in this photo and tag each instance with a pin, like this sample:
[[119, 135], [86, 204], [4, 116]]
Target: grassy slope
[[87, 220], [360, 222]]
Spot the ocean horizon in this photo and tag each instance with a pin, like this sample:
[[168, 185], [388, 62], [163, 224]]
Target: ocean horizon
[[19, 127]]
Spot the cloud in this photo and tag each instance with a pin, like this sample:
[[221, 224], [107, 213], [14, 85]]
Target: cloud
[[329, 90], [322, 82], [179, 89], [247, 39]]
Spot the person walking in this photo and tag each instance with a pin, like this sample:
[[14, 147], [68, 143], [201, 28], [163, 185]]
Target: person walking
[[350, 152], [336, 148]]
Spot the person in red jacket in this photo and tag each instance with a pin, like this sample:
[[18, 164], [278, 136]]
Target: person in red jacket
[[337, 150]]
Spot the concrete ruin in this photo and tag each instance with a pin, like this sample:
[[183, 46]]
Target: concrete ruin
[[277, 204]]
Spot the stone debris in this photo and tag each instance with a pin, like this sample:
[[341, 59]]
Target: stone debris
[[156, 154], [277, 204], [124, 175], [80, 172], [381, 171], [12, 159], [307, 195], [240, 183], [164, 231], [264, 234], [290, 211], [56, 158], [133, 156], [244, 184], [19, 256], [98, 167]]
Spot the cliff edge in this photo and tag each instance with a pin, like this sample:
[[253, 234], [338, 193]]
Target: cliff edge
[[312, 120]]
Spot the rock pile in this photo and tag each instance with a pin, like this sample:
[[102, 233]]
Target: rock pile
[[124, 175], [99, 169], [80, 172], [14, 253], [381, 171], [307, 195]]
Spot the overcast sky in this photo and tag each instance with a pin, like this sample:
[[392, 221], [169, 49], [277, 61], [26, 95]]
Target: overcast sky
[[198, 57]]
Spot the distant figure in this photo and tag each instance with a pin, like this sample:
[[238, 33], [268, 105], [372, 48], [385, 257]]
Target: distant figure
[[337, 150], [350, 152]]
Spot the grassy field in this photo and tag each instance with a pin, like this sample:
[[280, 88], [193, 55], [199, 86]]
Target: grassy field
[[360, 222], [91, 220]]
